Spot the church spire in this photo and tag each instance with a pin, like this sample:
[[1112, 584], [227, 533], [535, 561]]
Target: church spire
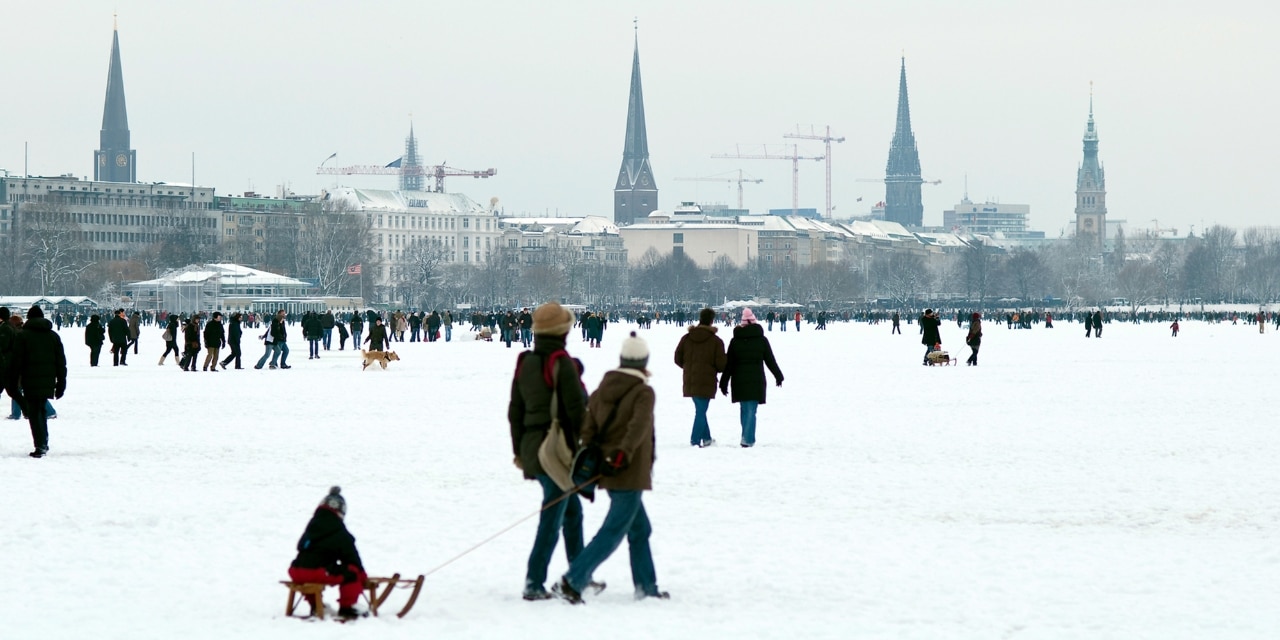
[[902, 173], [635, 194], [114, 160], [411, 177]]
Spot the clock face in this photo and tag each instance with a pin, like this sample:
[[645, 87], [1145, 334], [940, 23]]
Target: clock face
[[122, 160], [1088, 223], [644, 180]]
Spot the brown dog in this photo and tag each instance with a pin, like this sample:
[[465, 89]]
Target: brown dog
[[380, 357]]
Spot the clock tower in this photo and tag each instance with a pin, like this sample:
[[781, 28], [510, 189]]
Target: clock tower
[[635, 194], [114, 161], [1091, 189]]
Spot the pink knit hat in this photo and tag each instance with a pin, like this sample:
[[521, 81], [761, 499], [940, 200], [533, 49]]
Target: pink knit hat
[[748, 317]]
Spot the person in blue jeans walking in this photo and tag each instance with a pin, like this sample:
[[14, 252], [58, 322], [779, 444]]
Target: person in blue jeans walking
[[620, 421], [542, 375], [700, 354], [749, 353]]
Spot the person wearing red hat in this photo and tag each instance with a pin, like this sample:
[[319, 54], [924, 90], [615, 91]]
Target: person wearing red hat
[[974, 339]]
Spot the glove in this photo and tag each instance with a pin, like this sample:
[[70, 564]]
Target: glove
[[724, 390], [614, 463], [60, 389]]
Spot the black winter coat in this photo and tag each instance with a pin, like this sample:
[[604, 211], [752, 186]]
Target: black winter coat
[[929, 328], [95, 334], [326, 544], [7, 337], [311, 327], [749, 353], [118, 329], [234, 333], [326, 320], [974, 338], [38, 366], [529, 412], [214, 336], [278, 332], [377, 337]]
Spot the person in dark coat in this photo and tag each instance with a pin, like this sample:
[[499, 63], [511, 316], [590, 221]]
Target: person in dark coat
[[7, 335], [619, 421], [170, 336], [929, 334], [234, 333], [1097, 323], [377, 337], [974, 339], [118, 332], [529, 416], [280, 340], [135, 330], [312, 333], [327, 323], [94, 335], [190, 343], [357, 328], [342, 334], [327, 554], [215, 337], [748, 354], [701, 355], [37, 372]]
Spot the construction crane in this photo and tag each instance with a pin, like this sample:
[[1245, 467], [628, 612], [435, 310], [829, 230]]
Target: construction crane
[[883, 179], [795, 159], [440, 172], [1172, 231], [828, 139], [738, 180]]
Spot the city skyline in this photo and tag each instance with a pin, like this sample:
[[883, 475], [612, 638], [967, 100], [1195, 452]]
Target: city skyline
[[999, 92]]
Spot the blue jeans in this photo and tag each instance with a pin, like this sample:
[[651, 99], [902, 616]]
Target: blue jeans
[[701, 430], [271, 348], [566, 514], [328, 338], [448, 332], [281, 352], [747, 415], [626, 518], [315, 348], [15, 413], [355, 339], [526, 337]]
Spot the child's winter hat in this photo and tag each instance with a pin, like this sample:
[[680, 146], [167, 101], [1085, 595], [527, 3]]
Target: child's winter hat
[[635, 353], [335, 501], [748, 316]]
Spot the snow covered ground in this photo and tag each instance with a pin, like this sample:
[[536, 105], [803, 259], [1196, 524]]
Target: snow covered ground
[[1123, 487]]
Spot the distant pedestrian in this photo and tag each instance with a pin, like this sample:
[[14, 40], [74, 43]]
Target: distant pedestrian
[[896, 320], [94, 337], [135, 330], [974, 338], [930, 336], [118, 332], [234, 333], [215, 338], [1174, 327]]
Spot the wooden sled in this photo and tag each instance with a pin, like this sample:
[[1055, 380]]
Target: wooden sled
[[941, 359], [376, 592]]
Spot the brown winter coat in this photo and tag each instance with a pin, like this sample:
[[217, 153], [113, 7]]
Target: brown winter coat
[[624, 394], [701, 355]]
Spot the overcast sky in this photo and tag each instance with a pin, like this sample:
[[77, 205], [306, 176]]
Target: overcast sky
[[1185, 97]]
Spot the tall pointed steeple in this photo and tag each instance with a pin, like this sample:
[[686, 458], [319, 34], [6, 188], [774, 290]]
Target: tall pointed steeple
[[114, 160], [1091, 186], [902, 174], [636, 195], [411, 179]]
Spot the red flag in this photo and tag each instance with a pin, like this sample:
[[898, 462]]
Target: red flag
[[353, 270]]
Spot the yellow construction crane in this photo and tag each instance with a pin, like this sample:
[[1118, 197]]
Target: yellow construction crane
[[740, 179]]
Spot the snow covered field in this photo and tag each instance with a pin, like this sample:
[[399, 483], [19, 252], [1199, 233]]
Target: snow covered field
[[1123, 487]]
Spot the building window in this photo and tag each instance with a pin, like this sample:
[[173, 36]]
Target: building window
[[677, 238], [677, 251]]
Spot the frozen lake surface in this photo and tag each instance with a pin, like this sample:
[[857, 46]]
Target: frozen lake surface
[[1122, 487]]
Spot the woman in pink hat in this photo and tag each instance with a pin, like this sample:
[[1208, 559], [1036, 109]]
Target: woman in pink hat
[[748, 354]]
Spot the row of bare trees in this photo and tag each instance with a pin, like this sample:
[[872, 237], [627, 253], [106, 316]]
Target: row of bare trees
[[45, 255]]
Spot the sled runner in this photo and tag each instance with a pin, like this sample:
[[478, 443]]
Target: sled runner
[[376, 592]]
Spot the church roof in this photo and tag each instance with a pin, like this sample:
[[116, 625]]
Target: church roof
[[114, 115]]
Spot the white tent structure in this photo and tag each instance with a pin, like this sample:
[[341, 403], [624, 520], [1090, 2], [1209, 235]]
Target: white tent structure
[[200, 287]]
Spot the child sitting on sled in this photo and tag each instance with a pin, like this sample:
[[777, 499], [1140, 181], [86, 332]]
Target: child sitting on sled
[[327, 554]]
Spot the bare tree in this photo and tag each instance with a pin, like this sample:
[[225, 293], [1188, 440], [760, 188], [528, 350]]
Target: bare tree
[[420, 271], [330, 241], [1167, 261], [1139, 282], [1027, 274], [51, 247], [1261, 269], [979, 265], [902, 276]]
